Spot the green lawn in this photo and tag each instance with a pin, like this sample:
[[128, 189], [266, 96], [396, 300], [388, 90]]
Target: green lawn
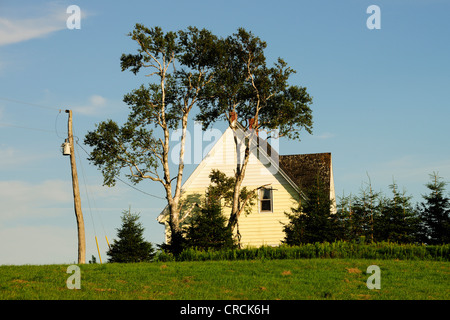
[[211, 280]]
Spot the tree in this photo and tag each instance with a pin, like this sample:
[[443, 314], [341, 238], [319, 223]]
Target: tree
[[296, 230], [130, 246], [435, 212], [220, 76], [244, 88], [164, 105], [360, 215], [208, 228], [397, 221], [312, 221], [221, 192]]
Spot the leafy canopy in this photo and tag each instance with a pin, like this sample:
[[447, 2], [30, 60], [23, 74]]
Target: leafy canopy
[[246, 85], [181, 65]]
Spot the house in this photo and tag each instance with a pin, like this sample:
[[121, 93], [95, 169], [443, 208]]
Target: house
[[285, 178]]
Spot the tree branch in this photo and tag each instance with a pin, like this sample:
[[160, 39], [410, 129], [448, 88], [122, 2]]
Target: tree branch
[[188, 212]]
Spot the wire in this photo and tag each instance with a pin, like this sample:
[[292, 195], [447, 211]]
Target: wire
[[34, 105], [29, 104], [56, 131], [118, 178], [93, 198], [77, 153], [23, 127], [56, 128], [131, 186]]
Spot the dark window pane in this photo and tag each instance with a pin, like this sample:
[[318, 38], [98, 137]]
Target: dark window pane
[[265, 200], [266, 194], [265, 205]]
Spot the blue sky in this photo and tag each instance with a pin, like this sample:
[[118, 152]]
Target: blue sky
[[381, 102]]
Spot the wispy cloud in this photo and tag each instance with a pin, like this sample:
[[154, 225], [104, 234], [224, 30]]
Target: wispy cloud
[[325, 135], [22, 199], [15, 158], [45, 20], [13, 31], [95, 104]]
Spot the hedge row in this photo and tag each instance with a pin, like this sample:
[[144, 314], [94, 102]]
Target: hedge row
[[337, 249]]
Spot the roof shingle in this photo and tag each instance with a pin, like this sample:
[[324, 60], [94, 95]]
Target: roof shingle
[[303, 169]]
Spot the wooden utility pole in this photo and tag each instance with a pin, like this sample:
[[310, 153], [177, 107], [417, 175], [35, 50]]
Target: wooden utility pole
[[76, 196]]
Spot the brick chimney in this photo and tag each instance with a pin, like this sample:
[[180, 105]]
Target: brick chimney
[[233, 118], [253, 123]]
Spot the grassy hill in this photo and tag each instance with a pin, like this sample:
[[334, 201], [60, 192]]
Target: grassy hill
[[225, 280]]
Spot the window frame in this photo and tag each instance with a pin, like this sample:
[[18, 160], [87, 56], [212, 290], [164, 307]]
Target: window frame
[[260, 200]]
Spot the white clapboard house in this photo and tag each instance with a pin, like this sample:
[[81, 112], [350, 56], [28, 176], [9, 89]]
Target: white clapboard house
[[285, 178]]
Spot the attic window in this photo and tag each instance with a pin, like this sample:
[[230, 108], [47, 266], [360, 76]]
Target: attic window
[[265, 200]]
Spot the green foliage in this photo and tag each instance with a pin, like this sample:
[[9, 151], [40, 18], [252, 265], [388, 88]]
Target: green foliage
[[176, 244], [396, 220], [221, 191], [245, 84], [130, 245], [337, 250], [377, 217], [208, 229], [163, 105], [312, 221], [356, 214], [374, 217], [435, 212], [116, 147]]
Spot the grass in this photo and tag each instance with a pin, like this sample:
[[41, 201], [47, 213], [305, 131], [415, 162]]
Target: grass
[[227, 280]]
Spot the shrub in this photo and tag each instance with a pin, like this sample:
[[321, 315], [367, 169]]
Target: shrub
[[336, 249]]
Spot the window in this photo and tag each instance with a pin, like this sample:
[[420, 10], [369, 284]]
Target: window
[[265, 200]]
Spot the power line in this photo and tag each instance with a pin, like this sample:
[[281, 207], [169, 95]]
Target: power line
[[56, 131], [56, 122], [118, 178], [33, 105], [23, 127], [29, 104], [131, 186], [77, 154]]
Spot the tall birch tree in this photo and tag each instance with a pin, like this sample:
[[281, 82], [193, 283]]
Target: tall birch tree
[[180, 66], [259, 97]]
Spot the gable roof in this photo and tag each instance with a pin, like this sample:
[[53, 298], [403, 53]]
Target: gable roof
[[264, 150], [299, 170]]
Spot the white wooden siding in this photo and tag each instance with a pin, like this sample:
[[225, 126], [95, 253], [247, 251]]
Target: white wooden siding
[[256, 229]]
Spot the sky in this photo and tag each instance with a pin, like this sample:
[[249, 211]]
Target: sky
[[380, 102]]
